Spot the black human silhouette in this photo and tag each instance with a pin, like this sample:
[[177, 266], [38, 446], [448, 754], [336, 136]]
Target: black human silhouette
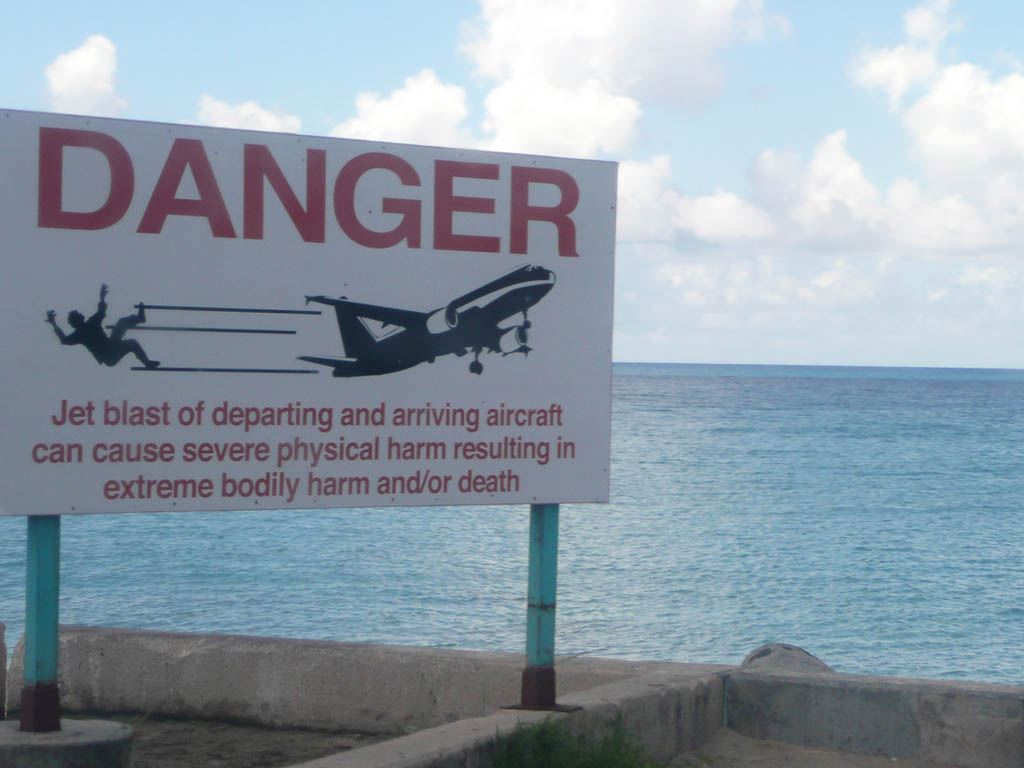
[[108, 350]]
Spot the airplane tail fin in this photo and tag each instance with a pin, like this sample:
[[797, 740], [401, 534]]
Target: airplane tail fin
[[364, 326], [355, 337]]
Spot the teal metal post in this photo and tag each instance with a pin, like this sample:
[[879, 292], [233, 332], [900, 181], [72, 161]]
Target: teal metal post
[[40, 699], [539, 676]]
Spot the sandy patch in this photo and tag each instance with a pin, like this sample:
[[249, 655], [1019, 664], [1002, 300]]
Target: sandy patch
[[170, 743], [729, 749]]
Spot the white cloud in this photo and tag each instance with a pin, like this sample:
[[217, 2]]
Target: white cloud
[[936, 224], [649, 210], [777, 178], [837, 267], [824, 201], [247, 114], [965, 126], [567, 77], [584, 66], [82, 80], [837, 198], [723, 217], [769, 304], [423, 111], [966, 131], [991, 276], [533, 116], [969, 126], [647, 207], [843, 285], [897, 70], [929, 23], [894, 70], [828, 202], [661, 49], [747, 286], [697, 278]]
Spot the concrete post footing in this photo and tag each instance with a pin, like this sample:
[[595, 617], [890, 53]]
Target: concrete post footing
[[40, 708], [79, 744], [538, 688]]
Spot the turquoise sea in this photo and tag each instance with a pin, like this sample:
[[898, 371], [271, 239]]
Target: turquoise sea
[[874, 516]]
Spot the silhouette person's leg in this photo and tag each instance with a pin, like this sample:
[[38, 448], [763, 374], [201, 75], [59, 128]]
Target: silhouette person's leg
[[120, 346]]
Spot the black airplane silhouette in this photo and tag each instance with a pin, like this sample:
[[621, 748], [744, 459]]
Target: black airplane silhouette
[[397, 339]]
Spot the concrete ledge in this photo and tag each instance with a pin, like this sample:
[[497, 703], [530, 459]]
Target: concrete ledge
[[300, 683], [3, 678], [665, 713], [80, 744], [972, 725], [669, 708], [454, 745]]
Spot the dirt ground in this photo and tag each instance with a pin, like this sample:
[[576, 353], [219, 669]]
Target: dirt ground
[[729, 749], [167, 743]]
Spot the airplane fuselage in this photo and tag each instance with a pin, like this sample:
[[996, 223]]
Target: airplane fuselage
[[474, 322]]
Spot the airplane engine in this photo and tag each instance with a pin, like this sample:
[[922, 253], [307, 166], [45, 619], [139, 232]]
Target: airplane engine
[[513, 339], [443, 320]]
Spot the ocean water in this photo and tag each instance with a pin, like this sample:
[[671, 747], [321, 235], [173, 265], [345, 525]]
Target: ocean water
[[873, 516]]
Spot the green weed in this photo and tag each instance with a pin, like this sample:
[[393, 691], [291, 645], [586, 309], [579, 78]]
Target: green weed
[[552, 745]]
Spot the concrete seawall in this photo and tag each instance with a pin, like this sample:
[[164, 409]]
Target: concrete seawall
[[451, 701], [965, 724], [300, 683], [3, 677]]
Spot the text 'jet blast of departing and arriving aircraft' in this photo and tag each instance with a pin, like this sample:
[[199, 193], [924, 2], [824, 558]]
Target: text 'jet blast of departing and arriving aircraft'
[[379, 340]]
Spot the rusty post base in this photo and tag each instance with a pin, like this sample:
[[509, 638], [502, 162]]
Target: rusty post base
[[538, 688], [40, 708]]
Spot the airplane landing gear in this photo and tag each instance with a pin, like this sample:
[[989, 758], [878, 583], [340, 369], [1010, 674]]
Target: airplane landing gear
[[476, 367]]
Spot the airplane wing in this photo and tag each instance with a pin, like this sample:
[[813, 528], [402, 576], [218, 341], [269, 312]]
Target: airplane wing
[[330, 362], [388, 315]]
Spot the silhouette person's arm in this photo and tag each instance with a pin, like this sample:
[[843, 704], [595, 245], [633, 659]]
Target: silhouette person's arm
[[101, 308], [64, 338]]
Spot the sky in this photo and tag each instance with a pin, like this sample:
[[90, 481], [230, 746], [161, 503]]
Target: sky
[[800, 182]]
